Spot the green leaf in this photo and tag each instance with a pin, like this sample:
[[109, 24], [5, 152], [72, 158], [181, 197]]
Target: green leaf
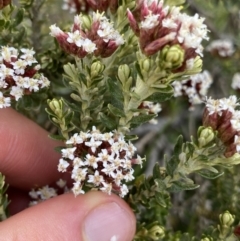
[[171, 165], [19, 17], [140, 119], [57, 137], [182, 185], [160, 185], [156, 171], [159, 97], [108, 122], [116, 111], [209, 174], [178, 147], [160, 200]]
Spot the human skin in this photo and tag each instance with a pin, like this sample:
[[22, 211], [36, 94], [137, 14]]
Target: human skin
[[28, 159]]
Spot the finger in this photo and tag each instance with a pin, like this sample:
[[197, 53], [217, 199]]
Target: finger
[[27, 155], [94, 216]]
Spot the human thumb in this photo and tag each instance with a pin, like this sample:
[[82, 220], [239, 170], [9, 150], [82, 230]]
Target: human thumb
[[94, 216]]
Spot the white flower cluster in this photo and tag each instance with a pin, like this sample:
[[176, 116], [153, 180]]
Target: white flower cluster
[[222, 115], [106, 30], [18, 74], [195, 88], [46, 192], [221, 47], [187, 30], [100, 38], [236, 81], [102, 161]]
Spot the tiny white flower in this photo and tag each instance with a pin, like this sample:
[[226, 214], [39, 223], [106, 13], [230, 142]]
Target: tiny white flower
[[19, 66], [89, 46], [61, 183], [124, 190], [77, 188], [237, 142], [4, 101], [17, 92], [46, 192], [79, 174], [69, 152], [91, 160], [93, 144], [63, 165], [55, 31], [33, 194], [78, 162], [96, 179], [107, 187], [75, 139]]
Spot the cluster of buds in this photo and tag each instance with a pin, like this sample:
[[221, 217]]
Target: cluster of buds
[[101, 161], [78, 6], [150, 108], [195, 88], [19, 75], [158, 26], [93, 34], [236, 81], [221, 48], [44, 193], [221, 115]]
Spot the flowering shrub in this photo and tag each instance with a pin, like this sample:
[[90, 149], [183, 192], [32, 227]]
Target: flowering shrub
[[108, 72]]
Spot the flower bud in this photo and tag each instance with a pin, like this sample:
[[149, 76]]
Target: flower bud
[[123, 73], [55, 105], [226, 219], [86, 22], [4, 3], [146, 65], [96, 68], [205, 135], [172, 56], [156, 232]]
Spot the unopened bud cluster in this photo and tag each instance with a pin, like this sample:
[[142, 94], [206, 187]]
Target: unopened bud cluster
[[19, 75], [222, 116], [89, 35], [101, 161], [158, 27], [195, 88]]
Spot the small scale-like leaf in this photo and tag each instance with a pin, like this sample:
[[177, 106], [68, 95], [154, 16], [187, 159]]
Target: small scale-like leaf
[[108, 122], [209, 174], [140, 119], [182, 185], [57, 137], [19, 17], [116, 111], [160, 200], [171, 165]]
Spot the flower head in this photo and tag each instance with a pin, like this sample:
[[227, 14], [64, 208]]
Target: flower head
[[18, 75], [99, 160], [222, 115], [89, 35]]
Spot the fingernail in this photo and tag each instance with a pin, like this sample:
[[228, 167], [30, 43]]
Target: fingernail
[[108, 222]]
